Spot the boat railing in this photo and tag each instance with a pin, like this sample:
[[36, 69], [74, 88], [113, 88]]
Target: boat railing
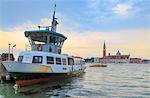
[[46, 27]]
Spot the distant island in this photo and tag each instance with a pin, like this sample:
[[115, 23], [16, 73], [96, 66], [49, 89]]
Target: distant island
[[117, 58]]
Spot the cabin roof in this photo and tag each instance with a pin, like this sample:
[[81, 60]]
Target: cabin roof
[[27, 33]]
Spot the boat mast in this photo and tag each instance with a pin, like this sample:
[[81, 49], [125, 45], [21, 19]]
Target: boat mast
[[54, 21]]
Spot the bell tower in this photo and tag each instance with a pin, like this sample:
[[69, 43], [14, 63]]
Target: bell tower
[[104, 50]]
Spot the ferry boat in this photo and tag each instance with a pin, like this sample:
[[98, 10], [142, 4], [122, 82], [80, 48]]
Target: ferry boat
[[44, 62]]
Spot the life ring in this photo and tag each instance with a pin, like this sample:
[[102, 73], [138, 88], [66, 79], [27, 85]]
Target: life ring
[[39, 47]]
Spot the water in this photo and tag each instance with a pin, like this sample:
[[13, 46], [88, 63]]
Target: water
[[114, 81]]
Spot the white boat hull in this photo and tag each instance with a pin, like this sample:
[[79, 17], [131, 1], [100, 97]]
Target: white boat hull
[[27, 74]]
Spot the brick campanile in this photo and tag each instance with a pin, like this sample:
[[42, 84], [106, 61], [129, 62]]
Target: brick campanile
[[104, 50]]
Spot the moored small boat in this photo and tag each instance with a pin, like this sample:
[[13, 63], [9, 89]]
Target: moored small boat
[[98, 65]]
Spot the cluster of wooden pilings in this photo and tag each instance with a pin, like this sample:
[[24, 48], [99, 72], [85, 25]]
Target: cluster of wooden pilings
[[4, 74]]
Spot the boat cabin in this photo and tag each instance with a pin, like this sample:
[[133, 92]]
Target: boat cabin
[[49, 58], [45, 40]]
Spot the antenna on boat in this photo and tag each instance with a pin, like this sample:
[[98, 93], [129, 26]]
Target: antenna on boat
[[54, 21]]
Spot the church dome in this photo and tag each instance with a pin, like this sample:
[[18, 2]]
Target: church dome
[[118, 53]]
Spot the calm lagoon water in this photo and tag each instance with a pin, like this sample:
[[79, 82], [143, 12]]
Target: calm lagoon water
[[114, 81]]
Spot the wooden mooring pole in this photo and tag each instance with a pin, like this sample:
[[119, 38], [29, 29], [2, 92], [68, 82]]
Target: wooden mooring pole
[[4, 74]]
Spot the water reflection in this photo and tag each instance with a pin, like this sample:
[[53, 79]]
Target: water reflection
[[54, 88], [42, 86], [116, 80], [57, 88]]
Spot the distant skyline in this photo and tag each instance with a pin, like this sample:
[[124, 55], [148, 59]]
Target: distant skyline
[[123, 24]]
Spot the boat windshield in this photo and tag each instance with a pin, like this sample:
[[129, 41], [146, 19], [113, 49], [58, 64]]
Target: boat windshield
[[20, 58], [70, 61]]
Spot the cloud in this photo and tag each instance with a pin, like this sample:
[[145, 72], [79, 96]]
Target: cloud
[[134, 42], [87, 43], [13, 38], [16, 35], [32, 26], [122, 9], [84, 28]]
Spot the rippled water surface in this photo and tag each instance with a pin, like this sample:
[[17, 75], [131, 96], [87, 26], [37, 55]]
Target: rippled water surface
[[114, 81]]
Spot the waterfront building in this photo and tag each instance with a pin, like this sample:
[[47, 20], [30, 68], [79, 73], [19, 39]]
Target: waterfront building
[[118, 58], [136, 60], [146, 61], [96, 59]]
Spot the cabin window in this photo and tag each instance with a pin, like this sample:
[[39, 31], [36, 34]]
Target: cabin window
[[37, 59], [20, 58], [45, 38], [50, 49], [50, 60], [58, 61], [70, 61], [64, 62], [76, 62], [81, 62]]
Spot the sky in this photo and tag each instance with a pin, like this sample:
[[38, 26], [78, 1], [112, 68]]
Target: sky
[[124, 25]]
